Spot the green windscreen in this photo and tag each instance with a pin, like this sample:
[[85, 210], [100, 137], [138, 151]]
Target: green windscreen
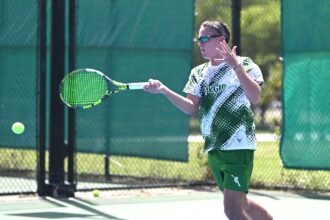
[[18, 72], [133, 41], [306, 130]]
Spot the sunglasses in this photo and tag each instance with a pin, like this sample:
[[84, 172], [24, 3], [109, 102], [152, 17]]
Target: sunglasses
[[205, 39]]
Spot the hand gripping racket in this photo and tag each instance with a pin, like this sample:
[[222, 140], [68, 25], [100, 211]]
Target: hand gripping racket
[[85, 88]]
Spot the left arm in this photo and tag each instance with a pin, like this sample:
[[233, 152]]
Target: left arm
[[250, 87]]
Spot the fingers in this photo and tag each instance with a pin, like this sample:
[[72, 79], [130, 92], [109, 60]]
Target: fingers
[[234, 50], [228, 55], [153, 86], [152, 83], [223, 44], [220, 50], [224, 49]]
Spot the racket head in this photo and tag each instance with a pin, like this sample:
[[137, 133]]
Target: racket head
[[84, 88]]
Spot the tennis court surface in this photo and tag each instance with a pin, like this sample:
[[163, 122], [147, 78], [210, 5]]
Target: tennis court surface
[[160, 204]]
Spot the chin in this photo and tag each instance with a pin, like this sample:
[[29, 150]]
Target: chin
[[205, 56]]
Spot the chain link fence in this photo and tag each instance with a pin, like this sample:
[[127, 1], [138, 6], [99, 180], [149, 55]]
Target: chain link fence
[[18, 75], [260, 40]]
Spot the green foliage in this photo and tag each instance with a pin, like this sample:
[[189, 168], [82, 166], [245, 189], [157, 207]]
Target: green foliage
[[272, 89], [260, 32]]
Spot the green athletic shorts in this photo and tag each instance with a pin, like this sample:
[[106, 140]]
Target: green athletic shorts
[[232, 169]]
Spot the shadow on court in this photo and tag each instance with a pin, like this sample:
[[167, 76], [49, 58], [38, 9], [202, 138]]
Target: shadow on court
[[163, 205], [51, 215], [82, 205], [315, 196]]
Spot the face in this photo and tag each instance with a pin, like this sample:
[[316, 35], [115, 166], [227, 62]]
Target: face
[[208, 49]]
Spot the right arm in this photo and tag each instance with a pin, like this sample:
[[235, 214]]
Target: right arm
[[188, 104]]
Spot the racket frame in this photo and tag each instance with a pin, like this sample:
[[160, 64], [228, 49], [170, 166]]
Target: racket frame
[[119, 85]]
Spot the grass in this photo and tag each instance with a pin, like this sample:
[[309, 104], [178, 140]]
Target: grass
[[268, 171]]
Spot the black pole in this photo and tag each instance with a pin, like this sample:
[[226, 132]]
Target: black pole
[[107, 167], [236, 18], [72, 115], [41, 148], [56, 131]]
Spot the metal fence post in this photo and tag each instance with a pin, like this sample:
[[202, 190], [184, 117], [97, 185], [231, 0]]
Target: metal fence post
[[72, 116], [41, 148], [236, 18], [57, 149]]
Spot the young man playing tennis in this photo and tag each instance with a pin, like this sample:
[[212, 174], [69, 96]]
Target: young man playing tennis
[[221, 91]]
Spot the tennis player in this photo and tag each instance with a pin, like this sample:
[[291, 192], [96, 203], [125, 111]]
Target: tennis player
[[221, 92]]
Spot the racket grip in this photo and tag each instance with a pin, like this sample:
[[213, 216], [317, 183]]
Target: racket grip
[[139, 85]]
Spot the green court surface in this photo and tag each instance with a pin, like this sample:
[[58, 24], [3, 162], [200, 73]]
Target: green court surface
[[160, 204]]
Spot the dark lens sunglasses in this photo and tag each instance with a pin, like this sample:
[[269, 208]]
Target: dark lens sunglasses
[[205, 39]]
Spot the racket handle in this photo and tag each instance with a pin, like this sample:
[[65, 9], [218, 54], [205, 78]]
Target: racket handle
[[138, 85]]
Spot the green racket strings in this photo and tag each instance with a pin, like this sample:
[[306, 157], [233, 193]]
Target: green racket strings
[[84, 89]]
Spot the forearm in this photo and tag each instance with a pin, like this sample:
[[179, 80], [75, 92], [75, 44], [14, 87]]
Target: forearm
[[184, 104], [250, 87], [188, 105]]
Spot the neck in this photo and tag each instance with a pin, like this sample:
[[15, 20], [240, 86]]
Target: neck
[[216, 62]]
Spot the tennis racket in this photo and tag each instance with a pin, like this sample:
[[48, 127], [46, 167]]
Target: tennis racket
[[85, 88]]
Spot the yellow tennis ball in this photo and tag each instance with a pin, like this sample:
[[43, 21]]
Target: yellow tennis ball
[[18, 128], [96, 193]]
